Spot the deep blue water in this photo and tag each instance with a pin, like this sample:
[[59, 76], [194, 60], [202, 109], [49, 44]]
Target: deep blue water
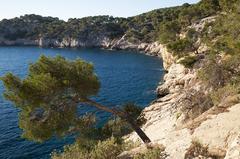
[[125, 77]]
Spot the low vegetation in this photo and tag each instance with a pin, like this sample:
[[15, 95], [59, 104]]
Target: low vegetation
[[221, 69], [198, 150], [226, 96], [188, 61], [153, 153], [108, 149]]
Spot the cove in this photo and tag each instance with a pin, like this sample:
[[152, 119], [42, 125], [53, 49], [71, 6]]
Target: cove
[[125, 76]]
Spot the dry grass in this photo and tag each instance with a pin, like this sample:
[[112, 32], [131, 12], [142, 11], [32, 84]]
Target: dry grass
[[201, 151]]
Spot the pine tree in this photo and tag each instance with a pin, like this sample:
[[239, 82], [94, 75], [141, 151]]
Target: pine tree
[[49, 95]]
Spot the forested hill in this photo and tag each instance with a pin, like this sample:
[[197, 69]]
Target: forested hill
[[160, 24]]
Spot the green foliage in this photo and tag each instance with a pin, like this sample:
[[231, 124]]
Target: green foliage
[[209, 7], [192, 35], [223, 35], [108, 149], [181, 47], [154, 153], [188, 61], [168, 31], [48, 99], [104, 142], [228, 5], [134, 35], [213, 73], [223, 75], [116, 127], [221, 69], [46, 96], [119, 127], [134, 111]]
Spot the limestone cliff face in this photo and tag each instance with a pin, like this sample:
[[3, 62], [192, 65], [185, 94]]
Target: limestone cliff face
[[183, 111], [100, 41], [168, 125]]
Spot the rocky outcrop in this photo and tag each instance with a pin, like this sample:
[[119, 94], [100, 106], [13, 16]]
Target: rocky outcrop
[[183, 111], [168, 116], [234, 149], [152, 49], [164, 115], [68, 42]]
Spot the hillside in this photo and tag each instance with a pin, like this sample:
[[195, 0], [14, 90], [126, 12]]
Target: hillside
[[158, 25]]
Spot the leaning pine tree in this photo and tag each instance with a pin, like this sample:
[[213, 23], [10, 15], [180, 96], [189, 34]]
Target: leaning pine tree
[[49, 95]]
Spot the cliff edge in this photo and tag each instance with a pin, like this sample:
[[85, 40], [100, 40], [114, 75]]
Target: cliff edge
[[184, 114]]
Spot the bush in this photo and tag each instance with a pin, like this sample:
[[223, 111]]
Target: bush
[[213, 73], [223, 94], [108, 149], [116, 127], [198, 150], [188, 61], [194, 104], [155, 153], [168, 31], [192, 34], [71, 151], [181, 47]]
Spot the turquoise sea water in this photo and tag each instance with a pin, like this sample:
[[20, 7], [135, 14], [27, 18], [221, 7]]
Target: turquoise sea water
[[125, 77]]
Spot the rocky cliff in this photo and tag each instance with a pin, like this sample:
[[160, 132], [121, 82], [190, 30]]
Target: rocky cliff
[[183, 112]]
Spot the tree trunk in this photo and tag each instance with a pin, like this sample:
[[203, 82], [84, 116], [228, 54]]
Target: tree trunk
[[123, 116], [138, 130]]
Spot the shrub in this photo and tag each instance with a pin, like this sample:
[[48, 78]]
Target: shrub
[[71, 151], [181, 47], [188, 61], [116, 127], [108, 149], [168, 31], [192, 34], [198, 150], [154, 153], [213, 73], [194, 104], [223, 94]]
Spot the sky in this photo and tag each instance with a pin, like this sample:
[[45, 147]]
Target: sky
[[65, 9]]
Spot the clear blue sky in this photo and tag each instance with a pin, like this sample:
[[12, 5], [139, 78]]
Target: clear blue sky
[[65, 9]]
